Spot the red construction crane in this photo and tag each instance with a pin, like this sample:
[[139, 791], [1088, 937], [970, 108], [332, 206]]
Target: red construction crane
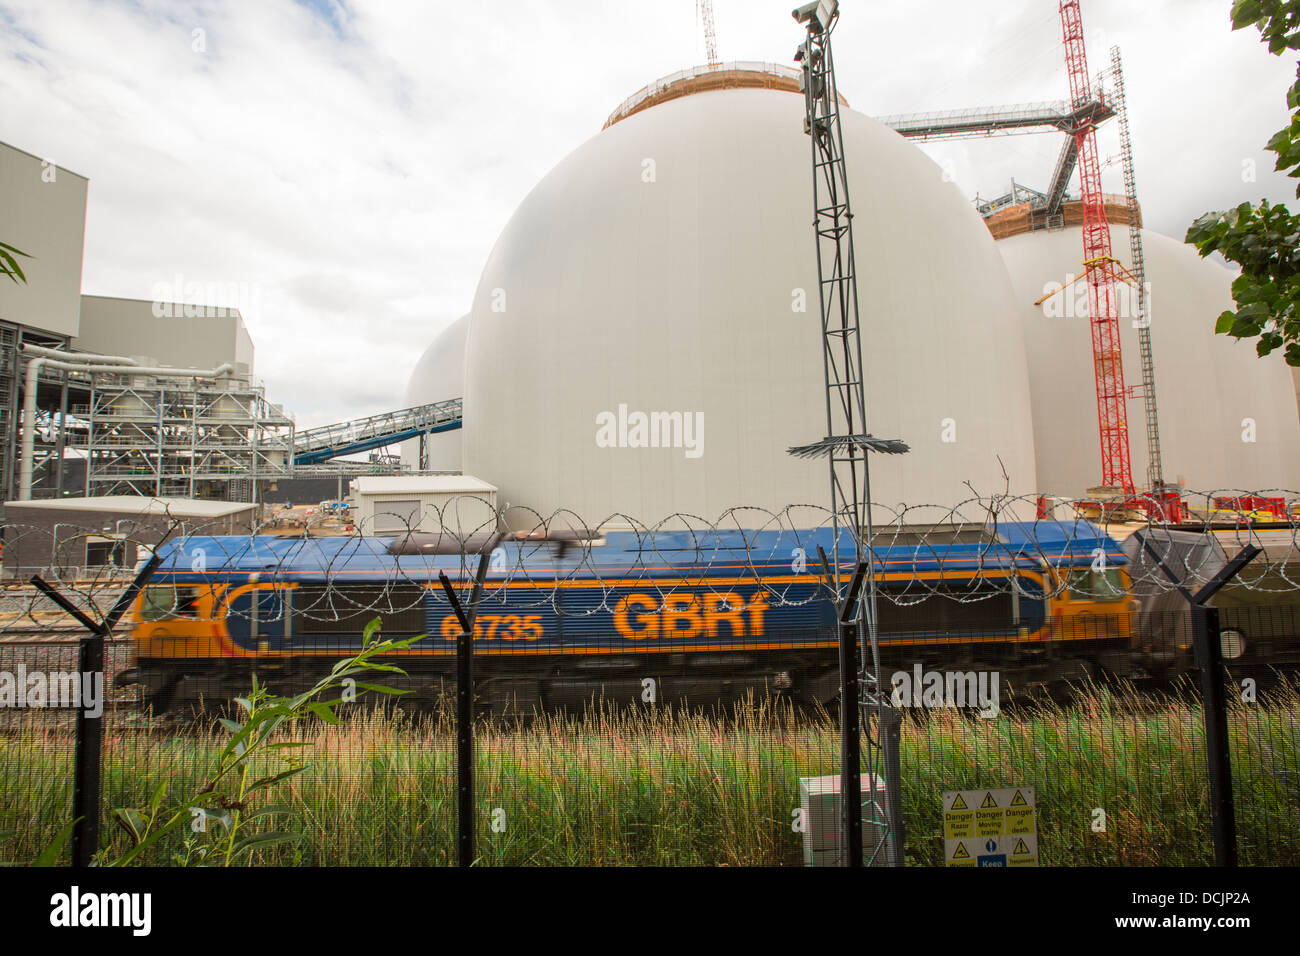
[[704, 10], [1103, 316]]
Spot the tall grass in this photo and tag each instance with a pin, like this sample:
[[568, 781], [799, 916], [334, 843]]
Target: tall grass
[[675, 788]]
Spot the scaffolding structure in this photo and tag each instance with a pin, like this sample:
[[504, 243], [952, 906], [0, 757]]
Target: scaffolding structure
[[127, 432], [732, 75], [189, 438], [12, 339], [9, 372]]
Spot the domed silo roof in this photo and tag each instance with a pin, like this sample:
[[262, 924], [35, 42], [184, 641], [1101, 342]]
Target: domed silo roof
[[439, 375], [661, 268], [1211, 390]]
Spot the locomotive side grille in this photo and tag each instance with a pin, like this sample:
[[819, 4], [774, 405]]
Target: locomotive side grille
[[993, 612]]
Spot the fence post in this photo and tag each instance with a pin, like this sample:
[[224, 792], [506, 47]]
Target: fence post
[[890, 730], [90, 730], [465, 745], [850, 747], [465, 705], [89, 746], [1209, 658]]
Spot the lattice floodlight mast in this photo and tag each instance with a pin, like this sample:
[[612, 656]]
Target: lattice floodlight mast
[[1155, 466], [837, 282], [847, 443], [1112, 423]]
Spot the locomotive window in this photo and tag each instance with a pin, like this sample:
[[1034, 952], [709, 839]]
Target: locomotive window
[[162, 603], [1106, 586], [157, 603]]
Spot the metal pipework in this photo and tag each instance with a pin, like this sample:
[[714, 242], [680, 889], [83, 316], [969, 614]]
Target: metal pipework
[[63, 355], [34, 367]]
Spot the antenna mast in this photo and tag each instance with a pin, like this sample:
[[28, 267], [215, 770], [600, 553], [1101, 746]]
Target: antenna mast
[[847, 442]]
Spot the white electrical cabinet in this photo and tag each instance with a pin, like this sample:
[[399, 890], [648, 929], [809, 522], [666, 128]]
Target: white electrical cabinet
[[819, 799]]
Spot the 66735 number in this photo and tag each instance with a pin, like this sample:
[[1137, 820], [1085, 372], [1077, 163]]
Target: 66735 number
[[500, 627]]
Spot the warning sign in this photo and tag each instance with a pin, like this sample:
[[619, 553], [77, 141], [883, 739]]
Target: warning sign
[[958, 820], [961, 856], [990, 827]]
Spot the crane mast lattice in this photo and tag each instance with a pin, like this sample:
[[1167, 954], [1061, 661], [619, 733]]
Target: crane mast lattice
[[704, 10], [1103, 317]]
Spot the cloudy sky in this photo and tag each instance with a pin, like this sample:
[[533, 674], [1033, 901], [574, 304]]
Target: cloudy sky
[[349, 164]]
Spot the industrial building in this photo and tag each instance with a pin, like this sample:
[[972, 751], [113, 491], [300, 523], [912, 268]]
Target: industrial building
[[87, 536], [108, 396], [45, 215], [140, 425], [431, 503]]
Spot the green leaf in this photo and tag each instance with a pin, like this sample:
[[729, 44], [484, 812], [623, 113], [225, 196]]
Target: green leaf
[[269, 811], [262, 840], [133, 820], [276, 778], [381, 689], [323, 712], [51, 854], [9, 265]]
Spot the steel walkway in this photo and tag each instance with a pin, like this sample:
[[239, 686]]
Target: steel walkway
[[316, 445]]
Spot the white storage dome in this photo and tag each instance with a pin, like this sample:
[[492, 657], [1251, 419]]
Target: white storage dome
[[658, 269], [439, 375], [1211, 390]]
